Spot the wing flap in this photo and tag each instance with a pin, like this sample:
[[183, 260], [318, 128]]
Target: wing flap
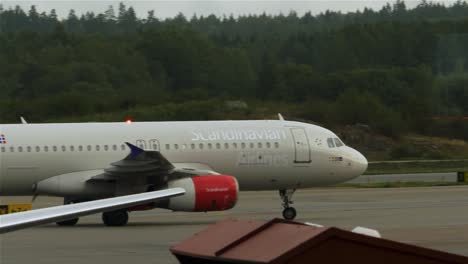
[[139, 163], [144, 163]]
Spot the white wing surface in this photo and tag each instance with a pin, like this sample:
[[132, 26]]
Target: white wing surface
[[31, 218]]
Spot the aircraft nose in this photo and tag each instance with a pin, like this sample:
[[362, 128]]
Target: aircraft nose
[[358, 161], [361, 163]]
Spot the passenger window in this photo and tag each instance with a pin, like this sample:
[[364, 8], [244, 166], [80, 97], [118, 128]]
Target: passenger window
[[80, 148], [330, 143], [243, 145], [89, 147], [12, 149], [20, 149], [168, 147], [259, 145], [3, 149], [38, 149], [276, 145], [28, 148], [106, 147], [72, 148], [192, 146], [210, 146], [122, 147], [54, 148], [46, 148], [98, 147], [268, 145], [218, 146], [338, 142], [176, 146], [252, 145], [234, 145], [114, 147], [200, 146], [226, 145], [64, 148]]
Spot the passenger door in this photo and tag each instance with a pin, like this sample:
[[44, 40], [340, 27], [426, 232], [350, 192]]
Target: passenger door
[[301, 145], [141, 143], [153, 144]]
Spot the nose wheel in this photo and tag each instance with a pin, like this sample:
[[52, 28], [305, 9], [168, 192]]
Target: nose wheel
[[289, 212]]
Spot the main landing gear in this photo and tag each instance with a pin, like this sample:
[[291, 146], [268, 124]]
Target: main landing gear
[[115, 218], [70, 222], [112, 218], [289, 213]]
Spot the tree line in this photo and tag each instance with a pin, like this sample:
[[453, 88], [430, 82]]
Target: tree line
[[396, 69]]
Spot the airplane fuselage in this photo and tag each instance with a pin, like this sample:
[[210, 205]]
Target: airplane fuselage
[[262, 155]]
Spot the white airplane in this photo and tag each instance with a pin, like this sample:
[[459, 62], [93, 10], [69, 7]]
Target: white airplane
[[211, 160]]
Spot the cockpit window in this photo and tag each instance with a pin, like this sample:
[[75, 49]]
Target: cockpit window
[[338, 142], [330, 142]]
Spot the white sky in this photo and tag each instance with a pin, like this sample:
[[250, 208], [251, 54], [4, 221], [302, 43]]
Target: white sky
[[164, 9]]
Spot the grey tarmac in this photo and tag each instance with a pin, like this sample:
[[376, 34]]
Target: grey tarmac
[[435, 217], [409, 177]]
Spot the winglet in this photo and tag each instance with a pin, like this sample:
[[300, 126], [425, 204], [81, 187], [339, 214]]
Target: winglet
[[134, 150], [23, 121], [280, 117]]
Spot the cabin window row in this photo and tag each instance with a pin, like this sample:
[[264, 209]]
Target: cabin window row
[[63, 148], [233, 145], [193, 146]]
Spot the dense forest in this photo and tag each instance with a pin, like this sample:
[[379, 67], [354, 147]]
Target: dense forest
[[397, 70]]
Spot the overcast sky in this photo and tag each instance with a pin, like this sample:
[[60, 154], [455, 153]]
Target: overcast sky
[[165, 9]]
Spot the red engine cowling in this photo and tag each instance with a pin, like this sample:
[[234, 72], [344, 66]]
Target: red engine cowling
[[205, 193]]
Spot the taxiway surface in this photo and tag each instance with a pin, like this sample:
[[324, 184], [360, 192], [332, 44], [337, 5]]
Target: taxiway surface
[[411, 177], [435, 217]]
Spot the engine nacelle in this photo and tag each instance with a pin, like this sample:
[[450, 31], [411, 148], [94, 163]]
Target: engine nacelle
[[75, 185], [204, 193]]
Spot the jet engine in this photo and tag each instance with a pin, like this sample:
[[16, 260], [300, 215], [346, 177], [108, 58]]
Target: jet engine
[[75, 184], [204, 193]]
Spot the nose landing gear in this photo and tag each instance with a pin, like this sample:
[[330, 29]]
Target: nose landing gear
[[289, 213]]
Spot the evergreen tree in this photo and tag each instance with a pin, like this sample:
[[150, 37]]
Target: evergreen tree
[[33, 14], [53, 15], [122, 12], [151, 18], [110, 14]]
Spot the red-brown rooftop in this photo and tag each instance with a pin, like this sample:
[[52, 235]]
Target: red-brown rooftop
[[280, 241]]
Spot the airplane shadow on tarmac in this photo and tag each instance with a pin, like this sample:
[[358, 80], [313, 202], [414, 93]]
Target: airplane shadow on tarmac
[[139, 224]]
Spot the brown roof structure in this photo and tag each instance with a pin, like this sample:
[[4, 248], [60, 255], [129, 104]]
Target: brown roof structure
[[280, 241]]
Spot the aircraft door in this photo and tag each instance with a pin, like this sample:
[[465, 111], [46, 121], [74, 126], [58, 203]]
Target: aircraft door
[[301, 145], [141, 143], [154, 144]]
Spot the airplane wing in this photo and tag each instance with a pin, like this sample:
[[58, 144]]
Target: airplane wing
[[31, 218], [140, 162], [152, 164], [147, 169]]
